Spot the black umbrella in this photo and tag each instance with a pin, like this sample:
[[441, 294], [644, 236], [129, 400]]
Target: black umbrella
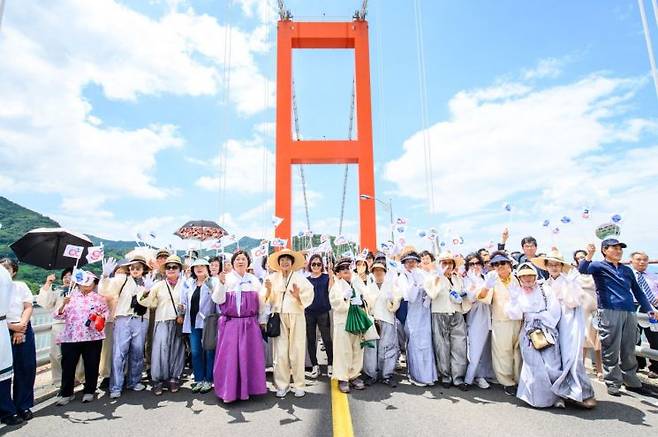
[[44, 247], [200, 230]]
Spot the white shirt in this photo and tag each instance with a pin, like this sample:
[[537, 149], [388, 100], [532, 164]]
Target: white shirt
[[20, 295]]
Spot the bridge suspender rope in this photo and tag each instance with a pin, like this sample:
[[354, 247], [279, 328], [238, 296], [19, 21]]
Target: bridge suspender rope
[[647, 37]]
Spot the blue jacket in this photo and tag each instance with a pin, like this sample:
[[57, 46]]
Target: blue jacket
[[206, 305], [615, 286]]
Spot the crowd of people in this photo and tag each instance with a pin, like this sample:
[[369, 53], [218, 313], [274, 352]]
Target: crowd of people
[[522, 320]]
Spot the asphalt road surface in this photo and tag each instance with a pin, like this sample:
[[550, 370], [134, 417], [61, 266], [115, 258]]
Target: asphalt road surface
[[377, 411]]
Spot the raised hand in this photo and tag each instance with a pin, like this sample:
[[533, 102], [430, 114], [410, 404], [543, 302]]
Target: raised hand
[[149, 280], [490, 279], [109, 264]]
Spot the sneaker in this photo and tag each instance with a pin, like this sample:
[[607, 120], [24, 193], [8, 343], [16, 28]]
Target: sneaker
[[157, 389], [87, 397], [12, 420], [613, 390], [299, 393], [26, 415], [446, 384], [173, 386], [510, 390], [64, 400], [281, 393], [369, 381], [330, 371], [205, 387], [388, 381], [463, 386], [115, 395], [315, 372], [416, 383], [357, 384], [559, 404], [196, 386], [344, 386], [139, 387], [482, 383]]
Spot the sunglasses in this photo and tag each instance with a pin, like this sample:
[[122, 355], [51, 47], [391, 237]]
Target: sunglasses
[[497, 264], [172, 267], [342, 268], [136, 267], [475, 263], [316, 264]]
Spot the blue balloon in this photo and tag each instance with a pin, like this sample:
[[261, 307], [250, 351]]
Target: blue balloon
[[616, 218], [545, 223], [565, 220], [508, 207]]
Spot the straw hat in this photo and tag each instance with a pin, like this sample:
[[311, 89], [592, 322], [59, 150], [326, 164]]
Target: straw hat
[[554, 255], [449, 256], [526, 269], [174, 259], [138, 259], [298, 260], [378, 266]]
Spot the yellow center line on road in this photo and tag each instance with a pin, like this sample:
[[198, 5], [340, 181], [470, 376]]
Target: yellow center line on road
[[340, 412]]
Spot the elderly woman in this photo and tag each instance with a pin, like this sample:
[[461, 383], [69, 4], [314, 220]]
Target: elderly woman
[[167, 352], [446, 289], [573, 383], [22, 340], [130, 324], [114, 276], [478, 325], [8, 414], [289, 292], [505, 352], [535, 304], [240, 362], [361, 269], [592, 341], [421, 364], [379, 362], [196, 298], [317, 314], [346, 291], [84, 312]]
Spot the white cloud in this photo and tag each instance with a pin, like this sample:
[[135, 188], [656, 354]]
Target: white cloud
[[553, 149], [545, 68]]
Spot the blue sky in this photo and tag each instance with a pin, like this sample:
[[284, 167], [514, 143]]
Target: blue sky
[[115, 113]]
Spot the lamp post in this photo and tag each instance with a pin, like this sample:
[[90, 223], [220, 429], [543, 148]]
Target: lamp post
[[388, 205]]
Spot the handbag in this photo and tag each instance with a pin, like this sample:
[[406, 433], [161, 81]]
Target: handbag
[[179, 319], [209, 335], [537, 336], [273, 327]]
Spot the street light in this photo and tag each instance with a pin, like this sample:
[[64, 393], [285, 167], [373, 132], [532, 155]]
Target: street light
[[388, 205]]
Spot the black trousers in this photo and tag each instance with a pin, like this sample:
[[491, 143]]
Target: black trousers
[[320, 320], [91, 357]]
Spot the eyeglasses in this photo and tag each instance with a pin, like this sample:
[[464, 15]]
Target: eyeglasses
[[172, 267], [475, 263], [316, 264]]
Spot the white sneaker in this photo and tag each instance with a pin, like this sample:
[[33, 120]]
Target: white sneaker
[[330, 371], [482, 383], [87, 398], [281, 393], [115, 395], [139, 387], [299, 393], [63, 400], [315, 372], [416, 383]]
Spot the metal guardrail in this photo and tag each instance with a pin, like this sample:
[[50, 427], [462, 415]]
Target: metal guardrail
[[42, 325]]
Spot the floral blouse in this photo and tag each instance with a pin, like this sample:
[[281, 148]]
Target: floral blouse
[[76, 314]]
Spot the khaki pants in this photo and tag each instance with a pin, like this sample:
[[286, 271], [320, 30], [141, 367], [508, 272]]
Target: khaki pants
[[289, 351], [106, 352], [56, 358], [348, 354], [505, 351]]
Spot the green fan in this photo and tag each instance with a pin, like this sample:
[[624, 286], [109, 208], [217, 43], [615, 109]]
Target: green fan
[[357, 321]]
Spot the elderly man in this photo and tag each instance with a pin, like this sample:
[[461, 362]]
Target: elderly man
[[648, 282], [616, 285]]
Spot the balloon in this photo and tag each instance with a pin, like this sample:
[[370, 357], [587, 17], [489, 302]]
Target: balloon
[[300, 234], [433, 231], [401, 229], [545, 223], [443, 243], [565, 220], [556, 230], [508, 207], [585, 214], [421, 233], [616, 218]]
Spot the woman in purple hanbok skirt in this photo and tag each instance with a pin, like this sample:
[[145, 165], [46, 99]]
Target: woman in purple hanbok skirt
[[239, 370]]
